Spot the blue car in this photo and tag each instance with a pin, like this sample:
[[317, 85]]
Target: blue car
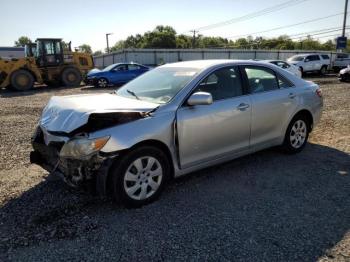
[[115, 74]]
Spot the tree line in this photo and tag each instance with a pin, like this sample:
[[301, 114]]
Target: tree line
[[167, 37]]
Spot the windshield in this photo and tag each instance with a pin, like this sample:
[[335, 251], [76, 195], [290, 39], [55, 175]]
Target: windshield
[[296, 58], [159, 85], [109, 67]]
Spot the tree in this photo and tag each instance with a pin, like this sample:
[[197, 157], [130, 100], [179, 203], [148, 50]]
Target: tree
[[241, 43], [117, 46], [166, 37], [160, 37], [96, 53], [183, 41], [22, 41], [212, 42], [85, 48]]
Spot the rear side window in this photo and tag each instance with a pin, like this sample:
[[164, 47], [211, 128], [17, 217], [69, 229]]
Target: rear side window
[[121, 68], [222, 84], [325, 56], [283, 82], [313, 57], [281, 64], [261, 79]]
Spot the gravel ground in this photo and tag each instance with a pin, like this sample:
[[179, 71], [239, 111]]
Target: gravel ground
[[263, 207]]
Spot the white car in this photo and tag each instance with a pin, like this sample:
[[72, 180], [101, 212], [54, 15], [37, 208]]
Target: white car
[[311, 62], [341, 61], [286, 66]]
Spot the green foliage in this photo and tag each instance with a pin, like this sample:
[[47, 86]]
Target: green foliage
[[96, 53], [85, 48], [160, 37], [22, 41], [166, 37]]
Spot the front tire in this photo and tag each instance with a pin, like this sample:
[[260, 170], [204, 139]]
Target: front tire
[[140, 176], [296, 135], [22, 80], [102, 83], [71, 77]]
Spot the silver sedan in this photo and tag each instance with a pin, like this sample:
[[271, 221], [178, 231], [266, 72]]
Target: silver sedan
[[171, 121]]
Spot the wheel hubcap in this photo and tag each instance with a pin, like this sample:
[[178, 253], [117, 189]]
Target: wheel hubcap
[[298, 134], [143, 178]]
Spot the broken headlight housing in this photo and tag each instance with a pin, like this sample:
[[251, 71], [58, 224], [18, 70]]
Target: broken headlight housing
[[82, 148]]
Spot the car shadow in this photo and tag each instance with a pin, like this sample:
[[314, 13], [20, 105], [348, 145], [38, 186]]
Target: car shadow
[[265, 206]]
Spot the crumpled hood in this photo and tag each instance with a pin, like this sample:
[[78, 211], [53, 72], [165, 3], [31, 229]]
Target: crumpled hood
[[67, 113], [93, 72]]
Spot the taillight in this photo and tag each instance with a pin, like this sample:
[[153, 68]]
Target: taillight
[[319, 92]]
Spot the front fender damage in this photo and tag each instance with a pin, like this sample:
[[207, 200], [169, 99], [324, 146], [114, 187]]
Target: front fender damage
[[91, 172]]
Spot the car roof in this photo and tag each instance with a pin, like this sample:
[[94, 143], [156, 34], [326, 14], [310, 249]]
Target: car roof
[[202, 64], [309, 54], [128, 63], [272, 60]]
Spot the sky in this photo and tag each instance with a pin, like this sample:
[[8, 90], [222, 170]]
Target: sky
[[87, 22]]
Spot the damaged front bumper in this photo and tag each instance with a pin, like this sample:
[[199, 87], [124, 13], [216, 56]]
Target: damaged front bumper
[[92, 171]]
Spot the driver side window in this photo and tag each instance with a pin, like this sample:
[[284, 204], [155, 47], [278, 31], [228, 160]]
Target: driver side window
[[222, 84], [120, 68]]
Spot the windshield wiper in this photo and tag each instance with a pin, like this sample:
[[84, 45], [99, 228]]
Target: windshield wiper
[[132, 93]]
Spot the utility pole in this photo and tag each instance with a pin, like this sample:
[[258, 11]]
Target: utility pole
[[108, 34], [194, 38], [345, 14]]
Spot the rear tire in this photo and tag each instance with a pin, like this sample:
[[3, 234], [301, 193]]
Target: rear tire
[[140, 176], [302, 71], [22, 80], [296, 135], [71, 77], [323, 70]]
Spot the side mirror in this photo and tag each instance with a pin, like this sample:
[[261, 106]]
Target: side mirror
[[307, 60], [200, 98]]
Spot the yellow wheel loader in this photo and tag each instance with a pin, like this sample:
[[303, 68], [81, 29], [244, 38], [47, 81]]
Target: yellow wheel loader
[[47, 61]]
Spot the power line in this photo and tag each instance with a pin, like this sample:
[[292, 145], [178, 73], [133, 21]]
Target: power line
[[326, 32], [317, 31], [252, 15], [324, 36], [286, 26]]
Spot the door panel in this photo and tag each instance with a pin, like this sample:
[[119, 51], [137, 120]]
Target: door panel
[[273, 102], [119, 74], [207, 132], [270, 111]]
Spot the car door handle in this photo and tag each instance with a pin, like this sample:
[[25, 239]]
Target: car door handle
[[291, 95], [242, 106]]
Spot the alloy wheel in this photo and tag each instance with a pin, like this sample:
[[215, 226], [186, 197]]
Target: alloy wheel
[[102, 83], [298, 134]]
